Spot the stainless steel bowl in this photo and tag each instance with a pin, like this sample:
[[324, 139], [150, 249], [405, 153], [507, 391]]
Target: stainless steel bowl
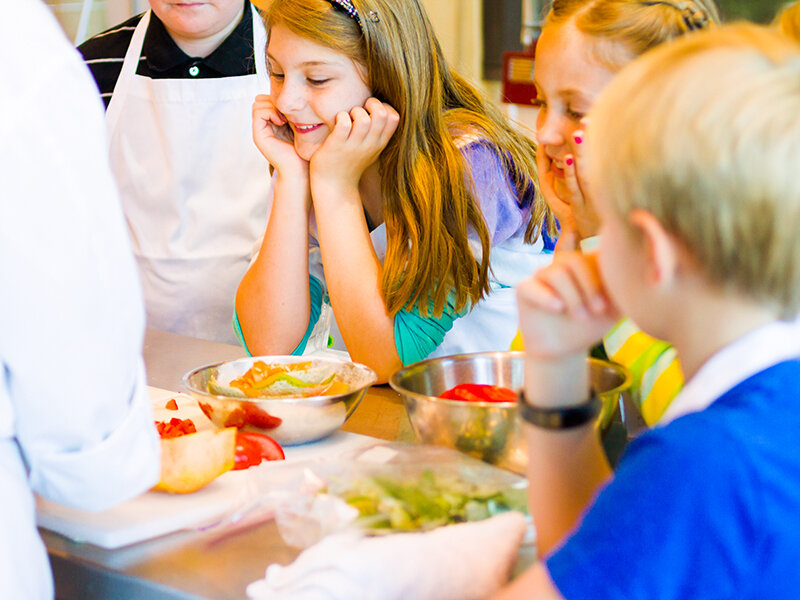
[[490, 431], [302, 419]]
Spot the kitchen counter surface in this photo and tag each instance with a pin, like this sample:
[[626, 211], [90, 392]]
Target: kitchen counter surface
[[217, 564]]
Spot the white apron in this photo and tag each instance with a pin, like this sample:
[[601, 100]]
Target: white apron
[[193, 186]]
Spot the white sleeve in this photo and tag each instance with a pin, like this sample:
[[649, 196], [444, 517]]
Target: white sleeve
[[71, 312]]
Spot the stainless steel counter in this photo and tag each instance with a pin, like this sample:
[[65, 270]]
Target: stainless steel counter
[[191, 564]]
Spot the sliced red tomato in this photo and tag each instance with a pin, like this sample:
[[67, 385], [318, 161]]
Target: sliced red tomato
[[479, 392], [171, 405], [247, 453], [269, 448], [252, 448]]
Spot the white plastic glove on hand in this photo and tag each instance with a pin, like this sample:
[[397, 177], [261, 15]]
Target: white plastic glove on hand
[[467, 561]]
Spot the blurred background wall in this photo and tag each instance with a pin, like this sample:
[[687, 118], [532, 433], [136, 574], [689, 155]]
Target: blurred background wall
[[474, 34], [81, 19], [458, 22]]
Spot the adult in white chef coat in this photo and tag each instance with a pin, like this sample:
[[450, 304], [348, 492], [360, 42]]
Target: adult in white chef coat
[[193, 184], [76, 424]]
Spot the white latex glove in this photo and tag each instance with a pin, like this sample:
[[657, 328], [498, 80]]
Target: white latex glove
[[467, 561]]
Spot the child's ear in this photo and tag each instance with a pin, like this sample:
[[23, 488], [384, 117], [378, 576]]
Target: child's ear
[[661, 250]]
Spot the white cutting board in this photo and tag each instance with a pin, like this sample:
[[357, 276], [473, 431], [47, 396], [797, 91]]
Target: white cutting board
[[155, 513]]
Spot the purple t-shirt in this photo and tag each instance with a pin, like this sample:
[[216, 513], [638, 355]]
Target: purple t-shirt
[[504, 213]]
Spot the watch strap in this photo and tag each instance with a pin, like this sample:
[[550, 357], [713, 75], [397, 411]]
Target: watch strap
[[562, 417]]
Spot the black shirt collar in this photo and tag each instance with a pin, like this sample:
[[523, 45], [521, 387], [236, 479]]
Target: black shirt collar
[[234, 56]]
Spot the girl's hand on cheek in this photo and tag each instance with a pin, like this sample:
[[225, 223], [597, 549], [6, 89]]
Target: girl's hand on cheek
[[583, 214], [561, 208], [274, 138], [357, 140]]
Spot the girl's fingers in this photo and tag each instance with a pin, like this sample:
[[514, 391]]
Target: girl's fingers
[[362, 124], [369, 127], [270, 123], [580, 162], [378, 115], [262, 117], [382, 122], [341, 128], [377, 111], [579, 159], [583, 212], [272, 134], [579, 137], [561, 209], [390, 125], [374, 106], [577, 199], [263, 108], [356, 139], [283, 132]]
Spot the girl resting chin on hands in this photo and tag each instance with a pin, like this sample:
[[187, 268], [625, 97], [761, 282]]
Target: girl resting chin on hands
[[403, 203]]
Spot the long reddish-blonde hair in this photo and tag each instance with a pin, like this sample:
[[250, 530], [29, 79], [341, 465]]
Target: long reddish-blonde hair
[[429, 203]]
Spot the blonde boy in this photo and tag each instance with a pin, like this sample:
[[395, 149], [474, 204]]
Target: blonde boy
[[695, 155]]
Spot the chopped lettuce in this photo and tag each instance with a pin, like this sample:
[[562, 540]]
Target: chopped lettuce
[[426, 501]]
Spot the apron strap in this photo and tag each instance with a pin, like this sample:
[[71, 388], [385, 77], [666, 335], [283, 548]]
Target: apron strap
[[260, 49], [129, 66]]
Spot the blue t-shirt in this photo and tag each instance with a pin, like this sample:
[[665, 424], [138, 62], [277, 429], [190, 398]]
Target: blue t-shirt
[[705, 507]]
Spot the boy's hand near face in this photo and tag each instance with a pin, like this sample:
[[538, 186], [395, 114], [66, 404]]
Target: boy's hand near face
[[355, 143], [563, 308]]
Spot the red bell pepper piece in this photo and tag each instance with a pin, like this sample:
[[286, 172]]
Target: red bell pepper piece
[[479, 392]]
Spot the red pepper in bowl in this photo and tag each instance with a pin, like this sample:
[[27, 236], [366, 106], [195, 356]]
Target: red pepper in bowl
[[479, 392]]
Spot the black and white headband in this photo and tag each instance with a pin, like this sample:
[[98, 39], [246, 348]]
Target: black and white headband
[[347, 6]]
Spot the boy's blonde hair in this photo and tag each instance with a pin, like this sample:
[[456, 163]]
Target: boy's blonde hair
[[625, 29], [788, 21], [429, 204], [704, 134]]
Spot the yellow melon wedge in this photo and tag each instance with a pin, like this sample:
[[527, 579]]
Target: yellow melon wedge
[[191, 461]]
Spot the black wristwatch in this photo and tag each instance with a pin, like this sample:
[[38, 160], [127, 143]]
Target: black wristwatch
[[565, 417]]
